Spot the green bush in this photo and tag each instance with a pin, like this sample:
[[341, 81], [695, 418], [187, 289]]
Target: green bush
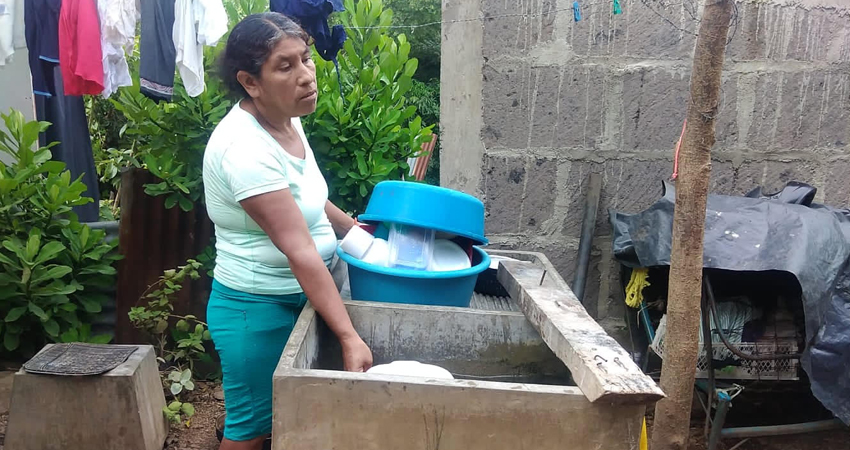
[[424, 41], [169, 138], [53, 269], [364, 133]]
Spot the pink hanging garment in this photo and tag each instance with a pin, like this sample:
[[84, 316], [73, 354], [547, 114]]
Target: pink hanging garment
[[80, 52]]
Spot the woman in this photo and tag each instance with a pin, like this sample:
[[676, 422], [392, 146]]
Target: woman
[[276, 231]]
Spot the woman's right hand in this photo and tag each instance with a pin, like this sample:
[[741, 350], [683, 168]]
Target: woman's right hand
[[356, 356]]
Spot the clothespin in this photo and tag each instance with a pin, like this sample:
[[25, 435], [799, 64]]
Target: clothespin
[[617, 9], [576, 11]]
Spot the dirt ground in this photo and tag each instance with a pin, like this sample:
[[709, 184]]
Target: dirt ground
[[201, 435]]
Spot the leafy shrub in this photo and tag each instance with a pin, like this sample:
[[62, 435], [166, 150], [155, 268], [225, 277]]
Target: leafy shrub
[[53, 269], [365, 132], [424, 41], [170, 138], [178, 340]]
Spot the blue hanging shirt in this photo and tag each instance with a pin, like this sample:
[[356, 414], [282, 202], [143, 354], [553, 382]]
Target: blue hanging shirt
[[313, 17], [41, 27]]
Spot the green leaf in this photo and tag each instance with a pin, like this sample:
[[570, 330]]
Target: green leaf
[[33, 245], [51, 327], [70, 336], [176, 388], [188, 409], [174, 376], [54, 273], [161, 326], [35, 309], [182, 325], [175, 406], [101, 339], [189, 385], [11, 340], [207, 336], [90, 305], [48, 252], [185, 376], [15, 313]]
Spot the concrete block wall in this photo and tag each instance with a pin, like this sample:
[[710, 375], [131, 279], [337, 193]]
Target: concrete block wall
[[532, 102]]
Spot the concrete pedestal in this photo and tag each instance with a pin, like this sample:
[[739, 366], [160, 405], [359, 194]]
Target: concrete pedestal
[[120, 410]]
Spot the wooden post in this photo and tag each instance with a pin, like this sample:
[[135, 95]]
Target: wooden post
[[673, 414]]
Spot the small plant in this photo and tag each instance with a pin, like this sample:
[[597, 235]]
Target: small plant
[[176, 411], [53, 269], [178, 347]]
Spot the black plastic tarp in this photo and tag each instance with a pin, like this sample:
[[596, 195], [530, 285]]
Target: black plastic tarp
[[786, 232]]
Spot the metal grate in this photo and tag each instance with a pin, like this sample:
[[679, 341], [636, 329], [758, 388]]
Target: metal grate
[[783, 369]]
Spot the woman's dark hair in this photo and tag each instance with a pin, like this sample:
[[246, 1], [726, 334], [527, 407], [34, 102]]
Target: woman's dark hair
[[251, 42]]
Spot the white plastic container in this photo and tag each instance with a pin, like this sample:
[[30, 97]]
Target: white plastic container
[[410, 247], [448, 256], [363, 246]]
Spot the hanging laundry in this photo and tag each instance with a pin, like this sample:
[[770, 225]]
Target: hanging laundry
[[7, 30], [41, 19], [19, 38], [80, 54], [117, 39], [313, 17], [158, 57], [212, 21], [196, 23], [69, 127]]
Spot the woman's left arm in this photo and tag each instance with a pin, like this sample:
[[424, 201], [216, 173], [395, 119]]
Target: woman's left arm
[[340, 221]]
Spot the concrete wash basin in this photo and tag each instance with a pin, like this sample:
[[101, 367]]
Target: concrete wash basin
[[511, 389]]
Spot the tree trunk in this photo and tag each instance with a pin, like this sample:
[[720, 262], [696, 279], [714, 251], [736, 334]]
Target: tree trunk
[[673, 414]]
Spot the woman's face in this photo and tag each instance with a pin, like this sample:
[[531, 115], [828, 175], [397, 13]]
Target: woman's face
[[287, 81]]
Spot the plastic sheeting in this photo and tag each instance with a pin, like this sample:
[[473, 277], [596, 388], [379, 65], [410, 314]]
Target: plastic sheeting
[[785, 231]]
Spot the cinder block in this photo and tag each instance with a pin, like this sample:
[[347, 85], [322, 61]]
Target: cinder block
[[837, 187], [546, 85], [778, 173], [504, 179], [655, 102], [788, 33], [658, 32], [800, 110], [119, 410], [763, 115], [539, 203], [581, 106], [599, 33], [630, 186], [726, 126], [575, 195], [834, 110], [513, 28], [722, 178], [505, 102], [748, 176]]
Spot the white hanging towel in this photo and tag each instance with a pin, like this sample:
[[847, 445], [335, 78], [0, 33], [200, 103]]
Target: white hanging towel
[[7, 29], [196, 23], [117, 38]]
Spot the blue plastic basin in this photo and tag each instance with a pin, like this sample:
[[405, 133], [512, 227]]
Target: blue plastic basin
[[427, 206], [391, 285]]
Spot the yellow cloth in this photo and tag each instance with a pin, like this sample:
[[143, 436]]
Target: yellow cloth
[[643, 443], [634, 290]]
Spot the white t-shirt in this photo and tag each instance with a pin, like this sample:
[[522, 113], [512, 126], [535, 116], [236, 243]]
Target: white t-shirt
[[242, 160], [196, 23], [117, 38]]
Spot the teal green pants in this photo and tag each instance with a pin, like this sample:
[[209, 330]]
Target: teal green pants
[[249, 332]]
